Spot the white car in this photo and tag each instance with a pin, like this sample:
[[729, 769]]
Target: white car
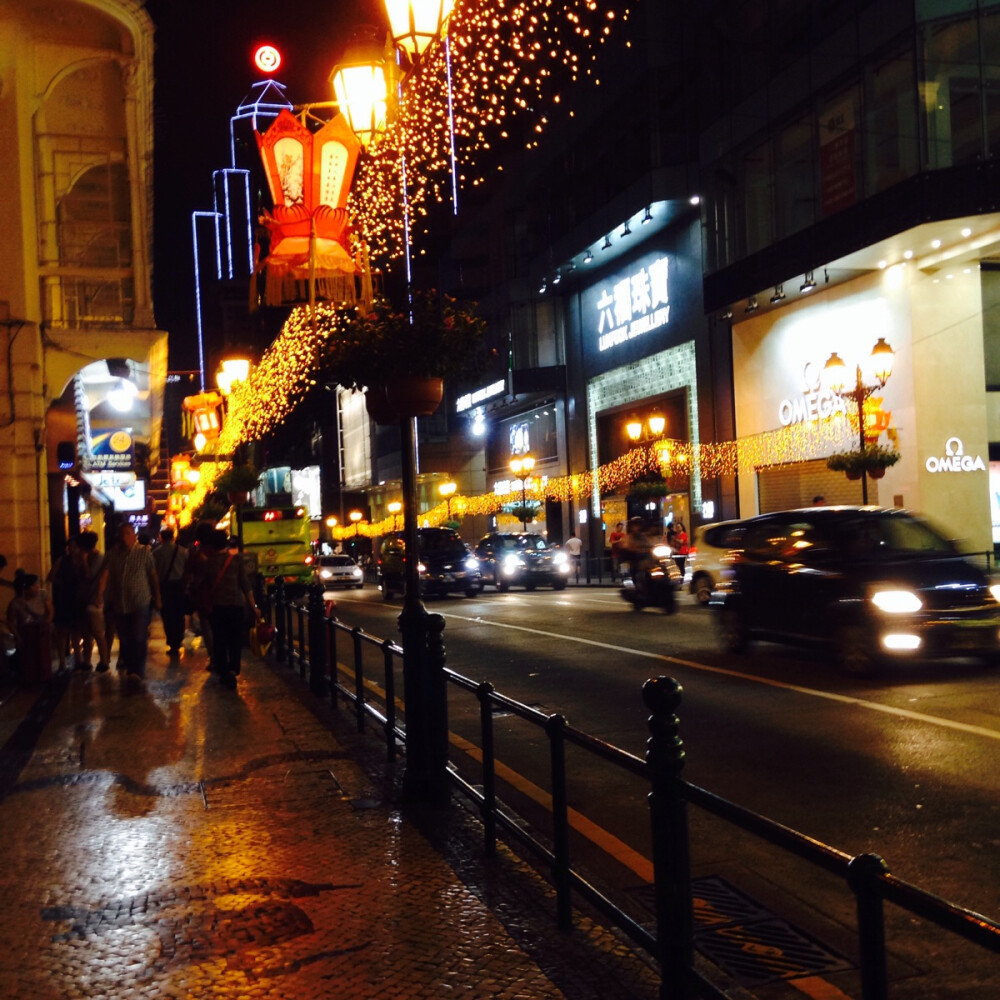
[[712, 549], [339, 571]]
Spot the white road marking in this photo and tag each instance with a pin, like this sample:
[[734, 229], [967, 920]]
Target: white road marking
[[844, 699]]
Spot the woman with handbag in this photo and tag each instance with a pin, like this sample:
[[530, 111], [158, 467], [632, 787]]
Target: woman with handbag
[[233, 607]]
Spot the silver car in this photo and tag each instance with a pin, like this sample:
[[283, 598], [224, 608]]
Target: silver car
[[712, 549], [339, 571]]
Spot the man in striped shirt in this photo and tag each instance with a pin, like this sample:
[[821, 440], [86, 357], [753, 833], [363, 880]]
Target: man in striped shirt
[[136, 588]]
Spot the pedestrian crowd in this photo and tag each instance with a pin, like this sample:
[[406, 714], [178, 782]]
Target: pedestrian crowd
[[197, 583]]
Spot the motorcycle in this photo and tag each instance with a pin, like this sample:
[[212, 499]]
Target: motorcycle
[[660, 581]]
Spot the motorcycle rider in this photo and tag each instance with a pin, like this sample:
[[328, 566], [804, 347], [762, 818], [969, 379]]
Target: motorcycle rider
[[639, 543]]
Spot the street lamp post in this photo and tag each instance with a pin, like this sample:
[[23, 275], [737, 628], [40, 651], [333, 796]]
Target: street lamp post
[[394, 508], [867, 381], [416, 24], [447, 490], [521, 466]]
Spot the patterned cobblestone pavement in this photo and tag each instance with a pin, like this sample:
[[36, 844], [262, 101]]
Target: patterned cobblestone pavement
[[187, 841]]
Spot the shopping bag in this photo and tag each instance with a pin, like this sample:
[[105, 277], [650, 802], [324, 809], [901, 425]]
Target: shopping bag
[[261, 637]]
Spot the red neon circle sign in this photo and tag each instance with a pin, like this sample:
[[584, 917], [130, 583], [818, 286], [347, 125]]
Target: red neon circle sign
[[267, 59]]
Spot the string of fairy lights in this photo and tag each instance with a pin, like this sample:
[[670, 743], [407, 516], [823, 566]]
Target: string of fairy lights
[[507, 61]]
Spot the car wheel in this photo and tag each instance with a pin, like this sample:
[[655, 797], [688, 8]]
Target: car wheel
[[360, 586], [529, 586], [502, 585], [734, 636], [472, 591], [855, 651], [701, 587], [560, 585]]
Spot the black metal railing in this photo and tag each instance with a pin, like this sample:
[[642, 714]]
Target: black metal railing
[[866, 875]]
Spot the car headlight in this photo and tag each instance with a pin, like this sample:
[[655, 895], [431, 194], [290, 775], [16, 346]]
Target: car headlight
[[421, 568], [512, 564], [559, 559], [356, 572], [661, 551], [995, 591], [896, 602], [325, 574], [472, 564]]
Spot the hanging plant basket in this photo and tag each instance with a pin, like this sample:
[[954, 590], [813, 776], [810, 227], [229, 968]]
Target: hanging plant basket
[[378, 406], [874, 460], [415, 396]]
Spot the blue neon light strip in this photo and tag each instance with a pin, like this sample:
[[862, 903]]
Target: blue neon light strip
[[451, 128]]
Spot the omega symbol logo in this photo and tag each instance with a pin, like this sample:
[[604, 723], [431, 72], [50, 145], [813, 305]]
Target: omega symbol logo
[[955, 459]]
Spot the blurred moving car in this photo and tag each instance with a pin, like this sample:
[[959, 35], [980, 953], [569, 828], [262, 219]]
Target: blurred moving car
[[875, 584], [712, 549], [522, 560], [446, 564], [338, 571]]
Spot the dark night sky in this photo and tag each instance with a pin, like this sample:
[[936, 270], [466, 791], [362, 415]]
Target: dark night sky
[[203, 71]]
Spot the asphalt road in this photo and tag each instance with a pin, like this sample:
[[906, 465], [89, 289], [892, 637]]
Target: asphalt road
[[906, 764]]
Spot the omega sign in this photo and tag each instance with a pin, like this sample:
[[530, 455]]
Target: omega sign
[[815, 402], [955, 459]]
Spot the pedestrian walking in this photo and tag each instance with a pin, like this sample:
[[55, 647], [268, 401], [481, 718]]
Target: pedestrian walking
[[90, 601], [132, 574], [29, 617], [574, 546], [198, 585], [63, 580], [617, 542], [171, 559], [233, 608]]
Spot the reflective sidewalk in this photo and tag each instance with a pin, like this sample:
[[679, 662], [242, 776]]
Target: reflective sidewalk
[[188, 841]]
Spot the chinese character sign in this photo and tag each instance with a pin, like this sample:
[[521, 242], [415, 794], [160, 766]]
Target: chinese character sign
[[633, 304]]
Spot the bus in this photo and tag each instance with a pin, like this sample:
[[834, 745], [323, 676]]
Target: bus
[[278, 539]]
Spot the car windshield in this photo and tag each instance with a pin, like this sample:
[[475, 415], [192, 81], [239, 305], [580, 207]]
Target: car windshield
[[336, 561], [531, 542], [441, 541], [892, 533]]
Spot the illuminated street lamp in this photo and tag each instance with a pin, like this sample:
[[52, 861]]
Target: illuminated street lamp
[[356, 516], [360, 87], [394, 508], [521, 466], [870, 376], [232, 371], [447, 490], [653, 427]]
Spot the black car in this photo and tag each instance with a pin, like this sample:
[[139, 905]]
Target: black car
[[523, 560], [874, 584], [446, 565]]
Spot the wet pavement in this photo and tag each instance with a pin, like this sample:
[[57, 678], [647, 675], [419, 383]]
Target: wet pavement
[[184, 840]]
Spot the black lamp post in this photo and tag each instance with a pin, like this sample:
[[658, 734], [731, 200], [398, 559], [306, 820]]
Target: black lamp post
[[878, 368], [521, 466]]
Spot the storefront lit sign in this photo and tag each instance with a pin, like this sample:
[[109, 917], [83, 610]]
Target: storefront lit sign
[[955, 459], [635, 304], [470, 399], [815, 403]]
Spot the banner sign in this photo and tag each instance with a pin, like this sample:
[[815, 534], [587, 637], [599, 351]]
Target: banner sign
[[113, 450]]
